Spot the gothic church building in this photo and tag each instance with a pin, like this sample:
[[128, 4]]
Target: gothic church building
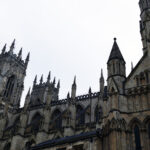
[[117, 117]]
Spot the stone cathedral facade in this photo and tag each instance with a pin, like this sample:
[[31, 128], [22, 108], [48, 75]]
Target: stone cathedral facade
[[117, 117]]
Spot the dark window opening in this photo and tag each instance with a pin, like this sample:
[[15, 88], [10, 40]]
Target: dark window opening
[[149, 130], [57, 118], [98, 113], [137, 138], [9, 86], [36, 123], [80, 115]]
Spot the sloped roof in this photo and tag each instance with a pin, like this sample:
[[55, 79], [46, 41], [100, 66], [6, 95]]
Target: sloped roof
[[115, 52]]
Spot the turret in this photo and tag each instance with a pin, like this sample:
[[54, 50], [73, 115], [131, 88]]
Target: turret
[[116, 67], [145, 24], [74, 89]]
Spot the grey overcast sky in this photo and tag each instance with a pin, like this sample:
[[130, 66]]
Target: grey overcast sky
[[71, 37]]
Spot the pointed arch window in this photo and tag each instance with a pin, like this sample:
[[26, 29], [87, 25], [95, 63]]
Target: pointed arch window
[[36, 122], [80, 115], [9, 86], [57, 119], [137, 138]]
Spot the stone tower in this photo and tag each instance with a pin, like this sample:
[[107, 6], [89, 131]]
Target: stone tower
[[12, 74], [145, 24], [116, 74]]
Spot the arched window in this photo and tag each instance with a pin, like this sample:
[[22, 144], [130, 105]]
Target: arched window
[[36, 123], [98, 113], [9, 86], [57, 118], [80, 115], [137, 138], [149, 130], [7, 146]]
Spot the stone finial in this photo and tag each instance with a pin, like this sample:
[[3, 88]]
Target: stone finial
[[27, 59], [74, 82], [12, 47], [74, 88], [20, 54], [4, 49], [41, 80], [58, 84], [68, 95], [35, 80], [49, 77], [54, 81], [90, 90], [101, 81]]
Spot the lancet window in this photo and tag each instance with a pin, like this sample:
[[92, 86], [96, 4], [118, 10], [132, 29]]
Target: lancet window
[[80, 115], [9, 86], [36, 122], [137, 138], [57, 119]]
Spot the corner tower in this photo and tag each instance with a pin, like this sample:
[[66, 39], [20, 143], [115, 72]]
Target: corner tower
[[145, 24], [12, 74]]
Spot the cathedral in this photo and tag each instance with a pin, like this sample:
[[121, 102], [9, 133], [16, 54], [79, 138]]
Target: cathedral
[[117, 117]]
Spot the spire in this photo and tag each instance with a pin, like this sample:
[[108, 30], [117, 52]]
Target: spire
[[20, 54], [74, 82], [27, 59], [54, 81], [35, 80], [101, 81], [48, 77], [68, 95], [74, 88], [115, 52], [41, 80], [58, 84], [12, 47], [4, 49]]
